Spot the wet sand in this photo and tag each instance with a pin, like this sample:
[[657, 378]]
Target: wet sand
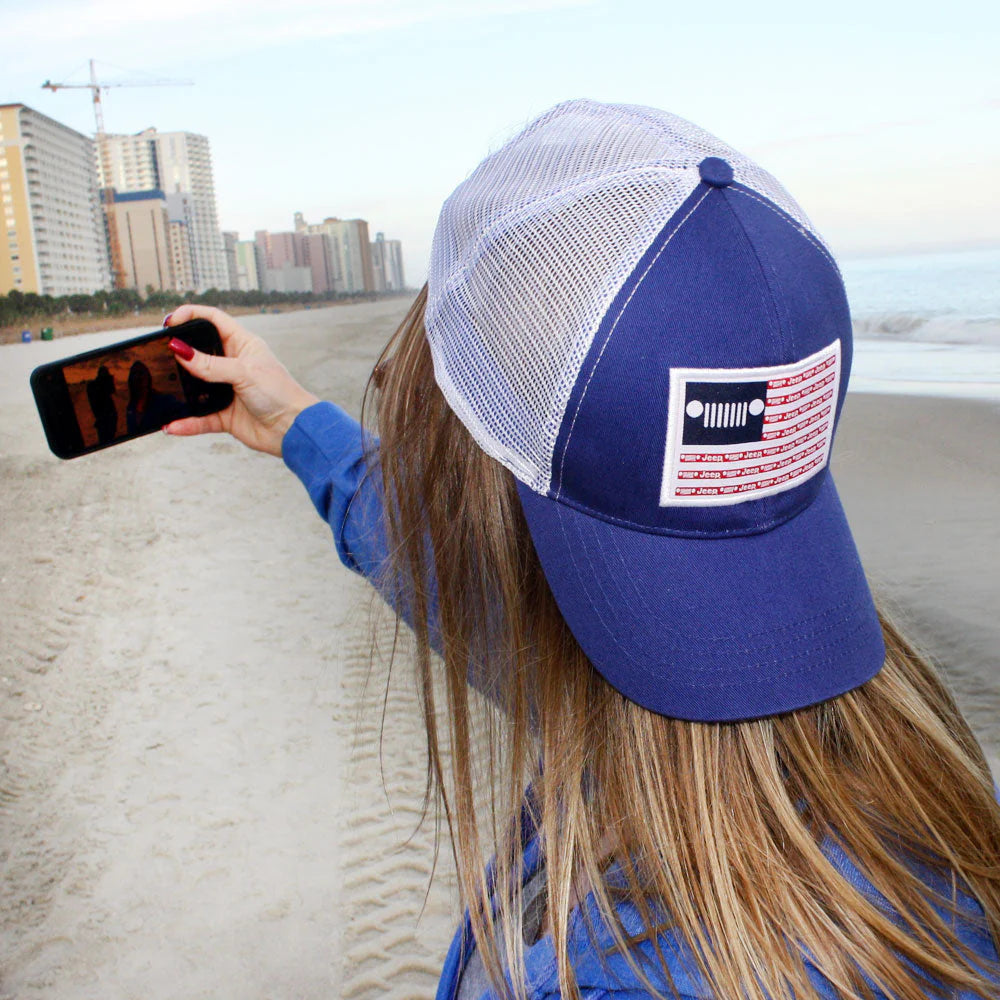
[[191, 796]]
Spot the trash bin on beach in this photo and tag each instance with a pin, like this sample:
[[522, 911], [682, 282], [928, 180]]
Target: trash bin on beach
[[46, 333], [25, 336]]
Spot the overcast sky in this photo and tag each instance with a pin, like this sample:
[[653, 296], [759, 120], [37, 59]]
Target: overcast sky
[[881, 117]]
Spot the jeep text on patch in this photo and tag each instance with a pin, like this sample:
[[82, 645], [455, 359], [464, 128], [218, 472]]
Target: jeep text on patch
[[737, 434]]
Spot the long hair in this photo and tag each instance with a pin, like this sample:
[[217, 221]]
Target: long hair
[[718, 833]]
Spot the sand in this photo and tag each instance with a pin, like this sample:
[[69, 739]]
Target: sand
[[191, 803]]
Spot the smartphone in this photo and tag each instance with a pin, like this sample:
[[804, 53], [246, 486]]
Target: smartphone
[[114, 394]]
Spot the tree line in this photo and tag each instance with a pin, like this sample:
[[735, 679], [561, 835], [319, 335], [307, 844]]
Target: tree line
[[22, 307]]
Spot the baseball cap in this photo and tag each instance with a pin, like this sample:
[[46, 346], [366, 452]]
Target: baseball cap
[[644, 327]]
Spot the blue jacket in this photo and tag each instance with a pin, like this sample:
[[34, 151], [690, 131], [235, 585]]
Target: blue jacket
[[324, 449]]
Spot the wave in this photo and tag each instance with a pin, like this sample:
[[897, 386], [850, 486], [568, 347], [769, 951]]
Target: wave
[[935, 328]]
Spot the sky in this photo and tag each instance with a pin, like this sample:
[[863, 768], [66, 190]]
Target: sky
[[882, 118]]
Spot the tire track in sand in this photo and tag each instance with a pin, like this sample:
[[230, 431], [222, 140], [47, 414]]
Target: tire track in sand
[[52, 613], [397, 922]]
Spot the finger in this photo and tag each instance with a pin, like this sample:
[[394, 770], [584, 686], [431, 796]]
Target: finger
[[233, 335], [189, 426], [208, 367]]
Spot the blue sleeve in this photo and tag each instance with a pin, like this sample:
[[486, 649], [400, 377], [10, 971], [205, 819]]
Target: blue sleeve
[[325, 449]]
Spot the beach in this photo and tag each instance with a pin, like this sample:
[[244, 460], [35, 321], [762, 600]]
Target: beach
[[194, 798]]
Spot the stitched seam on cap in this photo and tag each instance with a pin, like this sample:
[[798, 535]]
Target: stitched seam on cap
[[596, 577], [774, 631], [767, 272], [848, 642], [691, 533], [796, 226], [840, 644], [614, 326], [752, 652]]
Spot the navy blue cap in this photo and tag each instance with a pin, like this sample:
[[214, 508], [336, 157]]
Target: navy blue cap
[[699, 580], [641, 324]]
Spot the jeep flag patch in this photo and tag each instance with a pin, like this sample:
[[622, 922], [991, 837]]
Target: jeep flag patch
[[738, 434]]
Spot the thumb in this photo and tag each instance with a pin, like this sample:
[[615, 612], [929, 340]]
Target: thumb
[[208, 367]]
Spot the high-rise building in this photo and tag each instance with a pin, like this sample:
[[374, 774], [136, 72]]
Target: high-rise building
[[246, 266], [128, 162], [180, 212], [317, 255], [349, 251], [175, 163], [335, 252], [139, 226], [281, 262], [229, 241], [387, 264], [53, 239], [180, 255]]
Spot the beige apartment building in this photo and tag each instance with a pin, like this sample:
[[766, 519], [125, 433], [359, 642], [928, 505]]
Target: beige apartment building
[[53, 240], [138, 222]]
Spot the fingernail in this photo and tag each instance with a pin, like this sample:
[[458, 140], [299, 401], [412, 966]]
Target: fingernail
[[166, 319], [185, 351]]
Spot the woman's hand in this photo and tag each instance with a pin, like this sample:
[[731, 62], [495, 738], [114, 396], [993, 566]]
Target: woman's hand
[[267, 398]]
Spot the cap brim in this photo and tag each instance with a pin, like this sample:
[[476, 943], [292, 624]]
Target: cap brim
[[714, 629]]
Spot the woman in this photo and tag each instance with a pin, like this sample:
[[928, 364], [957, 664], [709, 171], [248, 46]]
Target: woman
[[101, 396], [600, 492]]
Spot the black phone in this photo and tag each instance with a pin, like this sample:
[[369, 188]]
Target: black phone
[[114, 394]]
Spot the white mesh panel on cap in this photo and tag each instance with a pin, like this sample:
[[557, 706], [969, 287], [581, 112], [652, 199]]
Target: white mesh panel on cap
[[532, 248]]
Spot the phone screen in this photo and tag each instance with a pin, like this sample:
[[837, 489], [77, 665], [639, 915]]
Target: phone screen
[[117, 393]]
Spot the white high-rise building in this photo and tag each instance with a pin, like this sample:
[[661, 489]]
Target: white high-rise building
[[52, 220], [177, 163], [387, 263], [128, 162]]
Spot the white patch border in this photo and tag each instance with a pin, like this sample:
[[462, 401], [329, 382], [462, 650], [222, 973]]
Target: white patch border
[[679, 377]]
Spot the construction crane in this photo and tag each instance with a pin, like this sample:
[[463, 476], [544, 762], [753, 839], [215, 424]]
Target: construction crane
[[96, 88]]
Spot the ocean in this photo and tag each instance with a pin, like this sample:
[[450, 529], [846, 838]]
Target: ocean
[[927, 324]]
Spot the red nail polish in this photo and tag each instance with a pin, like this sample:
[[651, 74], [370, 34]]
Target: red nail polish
[[166, 319], [185, 351]]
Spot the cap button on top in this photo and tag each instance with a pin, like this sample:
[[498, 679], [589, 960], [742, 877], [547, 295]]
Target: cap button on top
[[716, 172]]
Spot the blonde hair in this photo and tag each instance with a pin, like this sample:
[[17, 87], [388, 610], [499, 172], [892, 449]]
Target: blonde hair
[[716, 830]]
